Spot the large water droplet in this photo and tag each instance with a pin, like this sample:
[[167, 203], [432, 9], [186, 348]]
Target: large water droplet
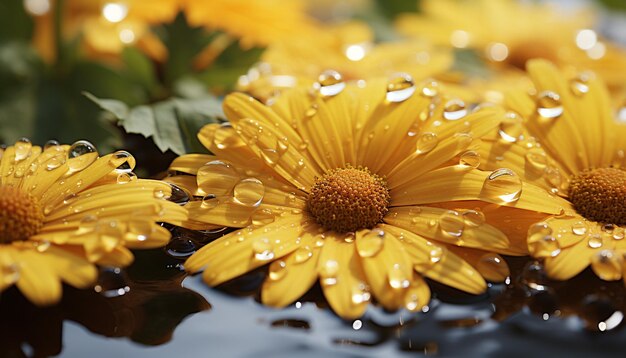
[[580, 84], [371, 243], [503, 185], [534, 277], [493, 267], [595, 241], [511, 127], [80, 155], [400, 87], [454, 109], [263, 249], [549, 105], [537, 159], [451, 223], [180, 248], [397, 277], [277, 270], [328, 272], [330, 83], [217, 177], [179, 195], [126, 177], [579, 228], [470, 159], [473, 218], [249, 192], [302, 254], [127, 160], [23, 147], [430, 89], [50, 144], [543, 246], [608, 265], [426, 142]]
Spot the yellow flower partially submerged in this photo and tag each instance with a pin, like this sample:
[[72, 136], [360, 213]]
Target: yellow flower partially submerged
[[566, 138], [64, 209], [353, 185], [508, 33]]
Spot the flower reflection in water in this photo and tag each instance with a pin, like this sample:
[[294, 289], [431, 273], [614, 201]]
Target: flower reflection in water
[[145, 303]]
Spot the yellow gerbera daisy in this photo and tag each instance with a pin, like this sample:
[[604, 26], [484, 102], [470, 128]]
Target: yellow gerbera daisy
[[565, 138], [351, 51], [354, 184], [63, 208], [510, 32]]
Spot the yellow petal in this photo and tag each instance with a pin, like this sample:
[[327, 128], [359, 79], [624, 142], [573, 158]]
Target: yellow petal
[[342, 277], [570, 261], [293, 276], [37, 282], [489, 265], [72, 269], [190, 163], [118, 257]]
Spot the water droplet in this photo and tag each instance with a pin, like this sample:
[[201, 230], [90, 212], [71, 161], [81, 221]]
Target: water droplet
[[470, 159], [400, 87], [126, 177], [430, 89], [537, 159], [454, 110], [452, 223], [579, 228], [595, 241], [371, 243], [50, 144], [263, 249], [397, 277], [580, 84], [141, 228], [328, 272], [249, 192], [503, 185], [302, 254], [543, 246], [412, 301], [43, 246], [277, 270], [608, 265], [511, 127], [553, 176], [618, 233], [435, 254], [360, 295], [330, 83], [159, 193], [270, 156], [473, 218], [127, 160], [179, 195], [426, 142], [217, 177], [549, 105], [111, 283], [80, 155], [180, 248], [534, 277], [493, 267], [262, 217], [22, 148]]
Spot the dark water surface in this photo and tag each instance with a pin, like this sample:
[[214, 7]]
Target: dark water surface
[[153, 310]]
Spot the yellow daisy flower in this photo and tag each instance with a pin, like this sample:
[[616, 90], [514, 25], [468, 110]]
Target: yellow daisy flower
[[351, 51], [353, 184], [64, 209], [510, 32], [564, 137]]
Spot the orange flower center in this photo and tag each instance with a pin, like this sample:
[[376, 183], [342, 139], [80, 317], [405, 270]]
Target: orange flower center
[[600, 195], [349, 199], [20, 215]]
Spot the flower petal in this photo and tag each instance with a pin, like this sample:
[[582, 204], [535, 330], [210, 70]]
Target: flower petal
[[37, 282]]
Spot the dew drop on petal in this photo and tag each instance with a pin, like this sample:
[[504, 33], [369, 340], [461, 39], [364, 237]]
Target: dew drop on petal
[[43, 246], [618, 233], [511, 128], [580, 84], [595, 241], [470, 158], [549, 105], [435, 254], [217, 177], [397, 277], [127, 160], [543, 246], [302, 254], [328, 272], [80, 155], [51, 144], [452, 223], [537, 159], [249, 192], [608, 265], [330, 83], [412, 301], [371, 243], [454, 109], [126, 177], [400, 87], [263, 249], [277, 270], [430, 89], [262, 217], [579, 228], [473, 218], [503, 185], [22, 147], [493, 267], [426, 142]]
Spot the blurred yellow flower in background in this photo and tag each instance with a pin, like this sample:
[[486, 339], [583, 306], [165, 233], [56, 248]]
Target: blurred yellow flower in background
[[509, 33], [354, 185], [566, 138], [64, 209], [106, 27]]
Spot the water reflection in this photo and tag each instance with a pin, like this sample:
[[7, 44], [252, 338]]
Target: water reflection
[[150, 303], [528, 315]]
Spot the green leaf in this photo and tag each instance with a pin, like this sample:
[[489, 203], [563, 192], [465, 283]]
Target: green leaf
[[140, 69], [15, 23], [172, 124]]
